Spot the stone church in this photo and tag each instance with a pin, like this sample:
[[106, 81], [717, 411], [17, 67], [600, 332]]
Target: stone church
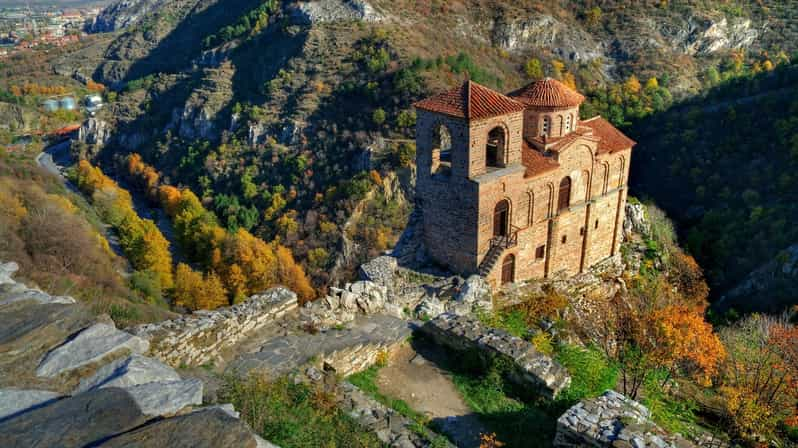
[[516, 186]]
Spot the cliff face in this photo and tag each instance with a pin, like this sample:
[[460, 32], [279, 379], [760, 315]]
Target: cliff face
[[121, 14]]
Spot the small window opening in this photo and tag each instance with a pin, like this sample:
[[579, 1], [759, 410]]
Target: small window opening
[[568, 123], [564, 239], [540, 252], [494, 149], [546, 125], [596, 226], [581, 231]]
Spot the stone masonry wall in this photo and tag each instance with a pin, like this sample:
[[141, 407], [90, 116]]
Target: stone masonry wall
[[198, 339], [612, 420], [533, 369]]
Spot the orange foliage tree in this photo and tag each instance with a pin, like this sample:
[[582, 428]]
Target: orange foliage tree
[[760, 377], [196, 292]]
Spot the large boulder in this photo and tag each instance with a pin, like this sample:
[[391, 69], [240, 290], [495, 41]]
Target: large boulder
[[80, 421], [90, 345], [206, 428], [16, 401], [130, 371]]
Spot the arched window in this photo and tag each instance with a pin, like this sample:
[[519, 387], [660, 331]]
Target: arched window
[[564, 200], [546, 125], [508, 269], [559, 124], [568, 120], [494, 150], [441, 150]]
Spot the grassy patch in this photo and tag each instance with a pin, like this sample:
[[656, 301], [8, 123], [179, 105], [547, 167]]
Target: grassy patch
[[591, 372], [295, 415], [672, 413], [366, 381]]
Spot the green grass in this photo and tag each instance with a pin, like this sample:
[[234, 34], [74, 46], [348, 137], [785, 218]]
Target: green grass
[[295, 415], [366, 381], [674, 415], [591, 372]]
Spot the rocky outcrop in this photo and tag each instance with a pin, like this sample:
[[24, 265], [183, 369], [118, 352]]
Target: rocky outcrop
[[533, 371], [612, 420], [703, 36], [88, 346], [94, 131], [544, 31], [200, 338], [120, 14], [635, 220], [58, 388], [322, 11]]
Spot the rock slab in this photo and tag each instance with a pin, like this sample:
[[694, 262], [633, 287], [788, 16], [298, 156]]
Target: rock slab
[[74, 422], [126, 372], [90, 345], [16, 401]]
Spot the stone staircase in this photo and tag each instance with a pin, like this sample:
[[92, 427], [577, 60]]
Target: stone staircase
[[490, 260]]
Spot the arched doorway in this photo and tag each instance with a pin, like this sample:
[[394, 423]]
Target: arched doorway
[[501, 218], [494, 151], [508, 269]]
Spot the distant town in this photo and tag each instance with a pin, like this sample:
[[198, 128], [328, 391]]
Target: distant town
[[26, 28]]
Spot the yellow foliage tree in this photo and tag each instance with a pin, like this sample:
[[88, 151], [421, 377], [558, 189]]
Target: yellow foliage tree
[[196, 292], [632, 85]]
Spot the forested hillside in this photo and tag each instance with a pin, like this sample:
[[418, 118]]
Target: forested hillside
[[287, 119], [723, 165]]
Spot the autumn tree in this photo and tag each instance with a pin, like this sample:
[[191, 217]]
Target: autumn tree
[[195, 292], [760, 377]]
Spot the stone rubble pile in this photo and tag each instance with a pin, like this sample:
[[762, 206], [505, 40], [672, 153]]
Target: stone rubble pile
[[345, 351], [612, 420], [69, 379], [533, 371], [197, 339], [389, 289]]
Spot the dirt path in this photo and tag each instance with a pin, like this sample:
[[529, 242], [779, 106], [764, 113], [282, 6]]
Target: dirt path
[[414, 377]]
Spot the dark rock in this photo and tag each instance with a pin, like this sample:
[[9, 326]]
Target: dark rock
[[75, 422], [211, 428]]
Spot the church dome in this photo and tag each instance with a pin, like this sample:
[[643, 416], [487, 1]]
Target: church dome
[[548, 93]]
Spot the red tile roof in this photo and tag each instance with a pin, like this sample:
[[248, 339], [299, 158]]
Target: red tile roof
[[610, 138], [535, 162], [548, 93], [470, 101]]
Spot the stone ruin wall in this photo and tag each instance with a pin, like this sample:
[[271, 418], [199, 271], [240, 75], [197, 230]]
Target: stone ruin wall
[[200, 338], [533, 370]]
